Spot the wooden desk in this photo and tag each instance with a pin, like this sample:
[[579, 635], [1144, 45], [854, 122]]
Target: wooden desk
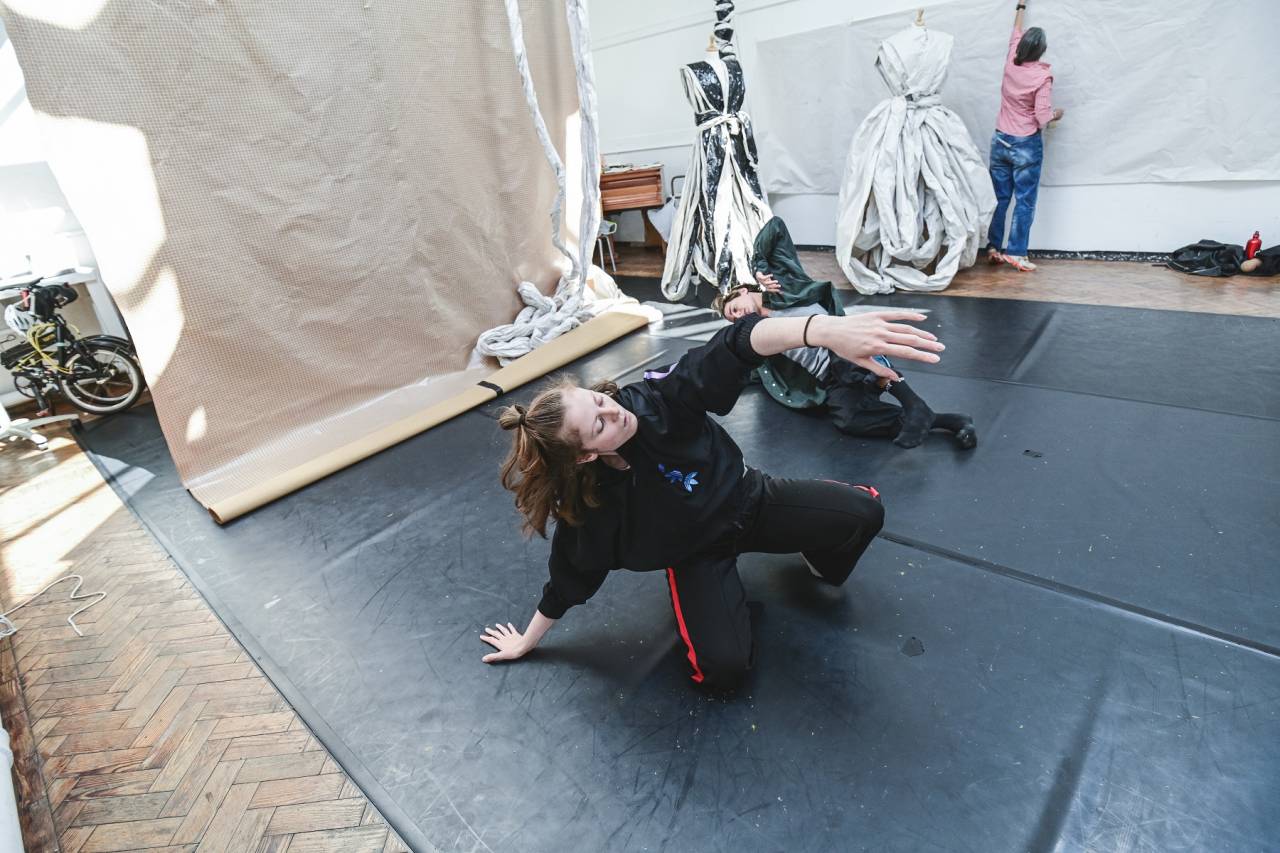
[[634, 189]]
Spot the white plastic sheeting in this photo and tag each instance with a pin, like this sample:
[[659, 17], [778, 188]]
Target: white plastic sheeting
[[1153, 92], [916, 198]]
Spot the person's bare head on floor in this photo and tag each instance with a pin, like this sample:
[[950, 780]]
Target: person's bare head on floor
[[739, 302]]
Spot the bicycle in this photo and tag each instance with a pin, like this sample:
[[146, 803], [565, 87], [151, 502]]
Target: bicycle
[[98, 374]]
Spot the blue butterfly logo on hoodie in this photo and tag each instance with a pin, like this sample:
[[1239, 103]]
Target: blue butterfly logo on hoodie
[[678, 479]]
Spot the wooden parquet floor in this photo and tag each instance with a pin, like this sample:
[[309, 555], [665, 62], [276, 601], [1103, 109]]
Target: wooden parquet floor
[[1118, 284], [155, 731]]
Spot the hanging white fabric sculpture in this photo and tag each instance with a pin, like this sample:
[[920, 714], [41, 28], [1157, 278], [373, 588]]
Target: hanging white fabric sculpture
[[916, 198], [722, 207], [574, 301]]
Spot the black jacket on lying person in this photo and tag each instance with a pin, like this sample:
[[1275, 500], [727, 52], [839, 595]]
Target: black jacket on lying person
[[687, 490]]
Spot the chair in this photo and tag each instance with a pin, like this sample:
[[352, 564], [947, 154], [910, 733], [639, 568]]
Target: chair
[[607, 229], [12, 430]]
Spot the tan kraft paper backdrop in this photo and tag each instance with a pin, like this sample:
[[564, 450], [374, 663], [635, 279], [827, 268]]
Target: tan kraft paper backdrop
[[307, 210]]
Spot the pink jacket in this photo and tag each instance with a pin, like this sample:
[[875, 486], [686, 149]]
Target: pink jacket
[[1025, 94]]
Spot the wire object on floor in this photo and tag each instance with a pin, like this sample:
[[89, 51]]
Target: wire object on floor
[[8, 629]]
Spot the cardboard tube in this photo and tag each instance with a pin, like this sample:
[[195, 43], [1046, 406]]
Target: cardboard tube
[[554, 354]]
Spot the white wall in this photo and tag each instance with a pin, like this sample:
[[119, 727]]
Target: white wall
[[35, 219], [644, 118]]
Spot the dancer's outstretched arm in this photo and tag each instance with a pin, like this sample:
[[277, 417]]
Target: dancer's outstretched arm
[[857, 338]]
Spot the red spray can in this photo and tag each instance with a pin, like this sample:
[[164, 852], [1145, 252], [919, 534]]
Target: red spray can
[[1255, 243]]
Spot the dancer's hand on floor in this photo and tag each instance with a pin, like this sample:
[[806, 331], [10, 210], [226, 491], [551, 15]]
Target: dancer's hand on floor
[[859, 337], [507, 640]]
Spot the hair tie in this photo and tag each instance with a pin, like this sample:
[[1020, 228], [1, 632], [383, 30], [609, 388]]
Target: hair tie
[[521, 412]]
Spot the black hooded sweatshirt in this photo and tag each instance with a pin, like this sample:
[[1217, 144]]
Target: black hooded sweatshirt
[[687, 490]]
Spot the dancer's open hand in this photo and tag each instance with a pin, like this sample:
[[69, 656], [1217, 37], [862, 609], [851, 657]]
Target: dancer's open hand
[[507, 640], [858, 337]]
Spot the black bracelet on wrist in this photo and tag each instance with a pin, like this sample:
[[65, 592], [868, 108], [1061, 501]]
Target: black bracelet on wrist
[[805, 336], [1020, 6]]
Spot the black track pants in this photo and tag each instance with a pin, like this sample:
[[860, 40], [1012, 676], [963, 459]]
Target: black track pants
[[830, 523], [855, 404]]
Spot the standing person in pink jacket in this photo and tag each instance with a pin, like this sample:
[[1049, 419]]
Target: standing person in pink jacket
[[1017, 148]]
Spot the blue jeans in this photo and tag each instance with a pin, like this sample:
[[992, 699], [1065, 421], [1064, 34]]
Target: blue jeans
[[1015, 173]]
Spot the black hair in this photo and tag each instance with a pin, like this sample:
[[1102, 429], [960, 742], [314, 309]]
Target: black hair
[[1031, 47]]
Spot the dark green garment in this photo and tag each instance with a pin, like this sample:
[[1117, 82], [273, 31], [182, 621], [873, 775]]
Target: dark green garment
[[775, 254]]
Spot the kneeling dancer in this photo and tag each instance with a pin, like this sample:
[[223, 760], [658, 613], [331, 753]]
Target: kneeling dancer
[[642, 478]]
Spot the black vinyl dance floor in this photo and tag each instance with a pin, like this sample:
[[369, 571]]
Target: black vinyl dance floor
[[1068, 638]]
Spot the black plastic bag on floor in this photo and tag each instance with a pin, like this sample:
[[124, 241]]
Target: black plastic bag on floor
[[1270, 262], [1211, 258]]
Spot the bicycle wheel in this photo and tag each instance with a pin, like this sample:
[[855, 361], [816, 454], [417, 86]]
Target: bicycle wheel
[[120, 345], [112, 383]]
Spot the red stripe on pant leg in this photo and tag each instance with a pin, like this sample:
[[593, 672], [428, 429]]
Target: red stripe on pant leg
[[684, 631], [871, 490]]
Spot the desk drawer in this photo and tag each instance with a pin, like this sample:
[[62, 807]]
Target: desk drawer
[[631, 189]]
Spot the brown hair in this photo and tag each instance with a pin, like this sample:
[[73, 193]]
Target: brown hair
[[723, 299], [542, 468]]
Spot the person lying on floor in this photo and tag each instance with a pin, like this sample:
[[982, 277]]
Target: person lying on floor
[[642, 478], [813, 376]]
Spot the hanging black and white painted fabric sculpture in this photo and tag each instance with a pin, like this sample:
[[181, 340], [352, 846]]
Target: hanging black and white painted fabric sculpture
[[916, 198], [722, 207]]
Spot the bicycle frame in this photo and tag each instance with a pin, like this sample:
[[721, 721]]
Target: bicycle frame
[[52, 344]]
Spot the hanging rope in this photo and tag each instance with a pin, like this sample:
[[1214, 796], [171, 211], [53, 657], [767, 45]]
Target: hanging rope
[[547, 317], [588, 129], [723, 30]]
